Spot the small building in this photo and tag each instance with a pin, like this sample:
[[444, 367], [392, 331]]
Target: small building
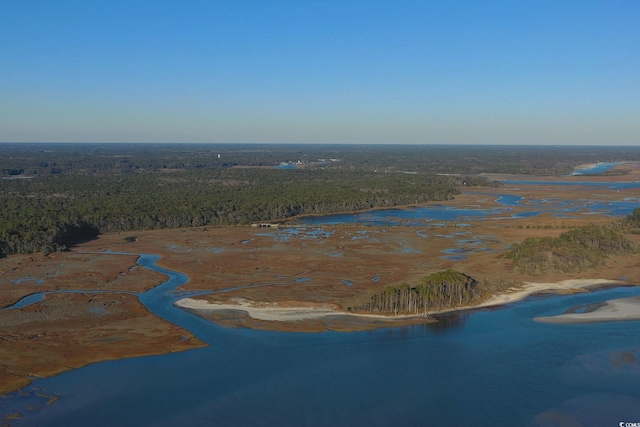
[[264, 225]]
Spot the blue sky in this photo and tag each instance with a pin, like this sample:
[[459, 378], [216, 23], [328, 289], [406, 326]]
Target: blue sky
[[321, 71]]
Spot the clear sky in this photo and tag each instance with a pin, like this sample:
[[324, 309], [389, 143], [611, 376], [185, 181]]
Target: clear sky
[[321, 71]]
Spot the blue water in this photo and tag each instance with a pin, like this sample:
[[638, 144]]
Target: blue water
[[426, 215], [418, 216], [27, 280], [485, 368], [596, 169], [608, 185], [509, 200], [28, 300], [488, 368], [430, 215], [39, 296]]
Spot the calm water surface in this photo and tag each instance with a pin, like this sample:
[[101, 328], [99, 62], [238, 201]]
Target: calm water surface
[[485, 368], [597, 169], [431, 215], [482, 368]]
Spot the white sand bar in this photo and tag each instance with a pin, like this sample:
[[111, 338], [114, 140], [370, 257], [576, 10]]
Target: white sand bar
[[292, 311], [614, 310], [530, 288], [281, 312], [261, 310]]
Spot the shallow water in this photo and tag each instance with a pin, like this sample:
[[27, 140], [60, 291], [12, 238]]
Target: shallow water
[[596, 169], [28, 280], [608, 185], [431, 215]]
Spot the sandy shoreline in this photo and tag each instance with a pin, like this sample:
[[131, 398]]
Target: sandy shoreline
[[291, 312], [614, 310], [277, 312], [261, 310], [530, 288]]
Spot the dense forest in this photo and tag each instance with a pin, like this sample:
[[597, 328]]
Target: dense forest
[[48, 212], [438, 291], [574, 250], [55, 195]]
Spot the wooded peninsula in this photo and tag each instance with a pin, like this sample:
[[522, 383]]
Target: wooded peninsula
[[56, 195]]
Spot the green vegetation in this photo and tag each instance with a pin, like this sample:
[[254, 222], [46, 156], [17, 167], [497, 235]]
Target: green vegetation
[[574, 250], [113, 159], [50, 212], [438, 291], [55, 195], [631, 224]]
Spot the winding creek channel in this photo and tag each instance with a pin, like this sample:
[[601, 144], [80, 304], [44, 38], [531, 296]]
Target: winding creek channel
[[491, 367]]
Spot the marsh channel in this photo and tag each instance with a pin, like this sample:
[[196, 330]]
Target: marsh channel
[[486, 368]]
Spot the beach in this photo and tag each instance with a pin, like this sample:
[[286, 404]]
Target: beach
[[295, 310], [280, 312], [614, 310], [262, 310], [563, 286]]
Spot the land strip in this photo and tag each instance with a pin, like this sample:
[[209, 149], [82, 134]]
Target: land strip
[[324, 267]]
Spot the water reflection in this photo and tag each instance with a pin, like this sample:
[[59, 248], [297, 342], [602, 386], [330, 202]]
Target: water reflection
[[447, 321]]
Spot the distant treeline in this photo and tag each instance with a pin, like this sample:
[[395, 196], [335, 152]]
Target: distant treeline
[[574, 250], [55, 195], [89, 159], [49, 213], [438, 291]]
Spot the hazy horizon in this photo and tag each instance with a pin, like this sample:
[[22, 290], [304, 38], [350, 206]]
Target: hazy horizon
[[321, 71]]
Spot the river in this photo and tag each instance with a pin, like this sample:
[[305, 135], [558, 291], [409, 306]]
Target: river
[[491, 367]]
